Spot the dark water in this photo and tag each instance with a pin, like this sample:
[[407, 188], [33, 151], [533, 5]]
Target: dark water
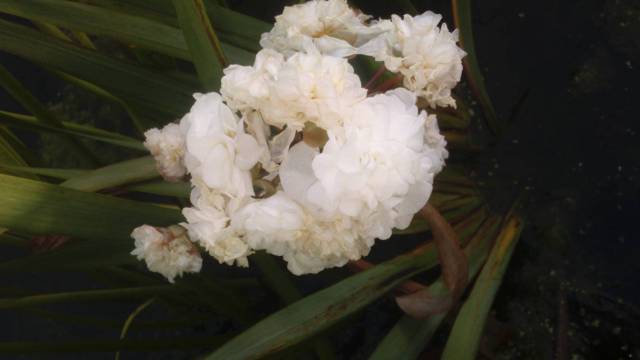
[[565, 74]]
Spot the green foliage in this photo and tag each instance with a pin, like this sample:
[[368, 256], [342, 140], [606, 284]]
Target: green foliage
[[202, 42], [462, 17]]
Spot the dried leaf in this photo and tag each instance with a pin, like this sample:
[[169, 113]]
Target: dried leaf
[[455, 270]]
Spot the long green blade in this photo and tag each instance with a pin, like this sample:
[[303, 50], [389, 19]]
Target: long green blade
[[131, 29], [462, 18], [411, 334], [27, 122], [50, 172], [87, 295], [169, 343], [44, 116], [9, 155], [126, 172], [316, 312], [202, 41], [464, 338], [233, 27], [34, 207], [145, 88]]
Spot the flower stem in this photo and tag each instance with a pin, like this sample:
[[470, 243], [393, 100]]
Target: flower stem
[[375, 77], [388, 84]]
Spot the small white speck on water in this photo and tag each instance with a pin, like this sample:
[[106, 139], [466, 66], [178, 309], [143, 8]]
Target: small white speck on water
[[521, 15], [628, 63]]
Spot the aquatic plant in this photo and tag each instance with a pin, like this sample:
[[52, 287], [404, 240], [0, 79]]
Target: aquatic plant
[[264, 142]]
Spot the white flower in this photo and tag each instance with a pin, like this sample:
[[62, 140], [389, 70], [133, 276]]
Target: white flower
[[330, 26], [166, 251], [271, 224], [369, 169], [242, 87], [167, 147], [426, 55], [313, 88], [208, 225], [379, 172], [308, 243], [307, 87], [219, 152]]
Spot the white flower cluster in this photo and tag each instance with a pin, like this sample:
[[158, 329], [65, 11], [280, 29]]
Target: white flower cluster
[[292, 157], [167, 251], [426, 55]]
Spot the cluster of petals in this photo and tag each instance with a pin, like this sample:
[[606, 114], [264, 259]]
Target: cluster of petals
[[306, 87], [425, 54], [259, 183], [331, 26], [166, 251]]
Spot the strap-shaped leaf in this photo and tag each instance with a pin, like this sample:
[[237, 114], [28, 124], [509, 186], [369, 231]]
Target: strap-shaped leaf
[[137, 30], [145, 88], [462, 18], [126, 172], [9, 152], [44, 115], [233, 27], [324, 308], [464, 338], [35, 207], [69, 128], [412, 335], [202, 42], [156, 344]]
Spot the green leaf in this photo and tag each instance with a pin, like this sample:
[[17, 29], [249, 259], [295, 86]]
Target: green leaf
[[462, 18], [86, 295], [412, 335], [202, 41], [232, 27], [34, 207], [452, 121], [7, 239], [44, 116], [8, 154], [51, 30], [141, 123], [129, 28], [161, 344], [179, 189], [464, 338], [409, 336], [145, 88], [76, 255], [408, 7], [117, 174], [279, 280], [452, 208], [27, 122], [50, 172], [324, 308], [129, 321]]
